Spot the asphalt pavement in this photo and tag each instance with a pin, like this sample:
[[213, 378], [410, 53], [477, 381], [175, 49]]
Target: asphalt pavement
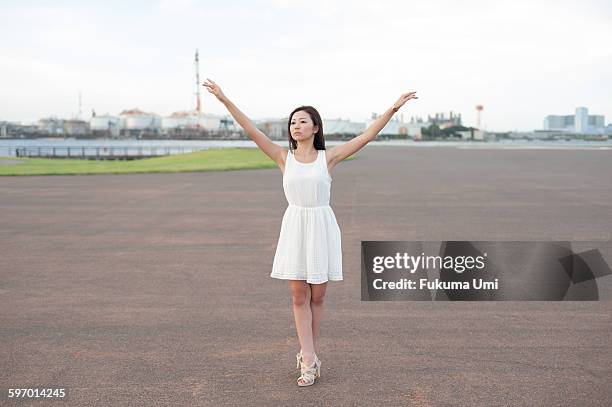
[[154, 289]]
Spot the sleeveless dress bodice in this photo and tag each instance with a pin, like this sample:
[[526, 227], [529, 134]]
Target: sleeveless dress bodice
[[309, 245]]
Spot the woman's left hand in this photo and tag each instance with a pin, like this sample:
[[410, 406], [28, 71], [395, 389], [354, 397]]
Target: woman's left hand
[[403, 99]]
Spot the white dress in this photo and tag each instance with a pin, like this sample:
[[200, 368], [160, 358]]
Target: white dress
[[309, 245]]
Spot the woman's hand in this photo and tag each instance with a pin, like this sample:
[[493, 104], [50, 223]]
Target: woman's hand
[[215, 89], [403, 99]]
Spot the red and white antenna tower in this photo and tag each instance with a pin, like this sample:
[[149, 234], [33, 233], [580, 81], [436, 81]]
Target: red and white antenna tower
[[479, 109]]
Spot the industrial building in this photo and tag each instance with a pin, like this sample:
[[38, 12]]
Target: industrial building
[[63, 127], [197, 121], [277, 129], [135, 122], [343, 127], [413, 128], [396, 127], [105, 126]]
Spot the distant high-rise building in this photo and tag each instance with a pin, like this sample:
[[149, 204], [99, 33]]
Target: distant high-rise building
[[580, 122]]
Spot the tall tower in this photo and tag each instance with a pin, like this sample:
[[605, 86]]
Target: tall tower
[[479, 108], [197, 74], [581, 120]]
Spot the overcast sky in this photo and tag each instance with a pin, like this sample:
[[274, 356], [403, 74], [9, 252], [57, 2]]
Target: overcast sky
[[520, 59]]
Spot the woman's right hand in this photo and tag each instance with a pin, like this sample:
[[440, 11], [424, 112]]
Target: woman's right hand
[[215, 89]]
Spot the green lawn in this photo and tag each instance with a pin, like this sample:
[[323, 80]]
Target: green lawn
[[225, 159]]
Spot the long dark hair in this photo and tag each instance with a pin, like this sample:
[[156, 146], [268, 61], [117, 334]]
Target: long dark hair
[[319, 140]]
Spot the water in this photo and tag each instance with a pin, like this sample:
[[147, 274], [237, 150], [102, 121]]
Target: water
[[7, 146]]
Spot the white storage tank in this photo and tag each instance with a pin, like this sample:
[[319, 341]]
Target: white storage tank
[[216, 123], [180, 120], [104, 122], [136, 119], [193, 120], [76, 127], [51, 125], [211, 123], [105, 125]]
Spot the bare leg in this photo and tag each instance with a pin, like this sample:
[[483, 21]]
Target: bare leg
[[300, 293], [316, 306]]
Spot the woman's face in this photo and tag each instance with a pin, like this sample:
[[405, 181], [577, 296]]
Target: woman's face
[[302, 126]]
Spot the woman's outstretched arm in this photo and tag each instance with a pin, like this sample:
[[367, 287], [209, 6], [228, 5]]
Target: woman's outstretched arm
[[263, 142], [349, 148]]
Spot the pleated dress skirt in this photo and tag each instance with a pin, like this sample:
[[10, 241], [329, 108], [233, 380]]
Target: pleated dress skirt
[[309, 245]]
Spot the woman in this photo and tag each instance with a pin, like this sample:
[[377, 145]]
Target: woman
[[309, 252]]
